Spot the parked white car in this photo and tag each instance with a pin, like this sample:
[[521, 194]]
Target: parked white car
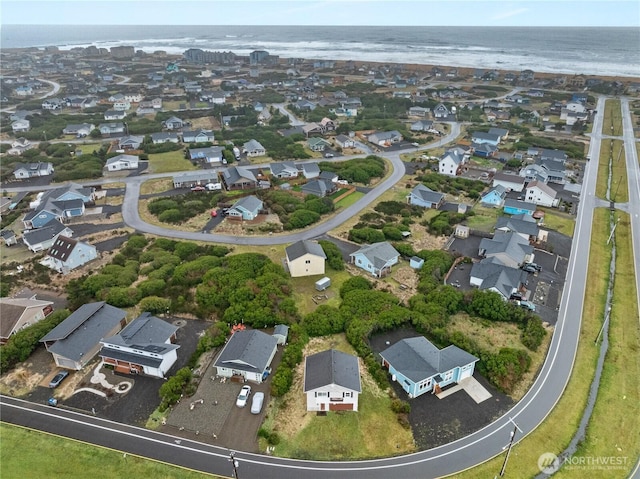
[[256, 403], [243, 397]]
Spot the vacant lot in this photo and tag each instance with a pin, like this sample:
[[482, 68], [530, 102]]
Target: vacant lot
[[169, 161]]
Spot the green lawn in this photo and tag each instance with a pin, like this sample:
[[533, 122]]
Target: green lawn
[[304, 290], [560, 222], [349, 200], [28, 454], [484, 218], [619, 181], [612, 123], [170, 161]]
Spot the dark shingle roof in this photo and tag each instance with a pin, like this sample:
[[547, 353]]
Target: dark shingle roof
[[427, 194], [248, 350], [296, 250], [331, 367], [13, 308], [62, 248], [50, 230]]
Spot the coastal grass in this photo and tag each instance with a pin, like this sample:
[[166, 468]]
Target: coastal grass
[[561, 222], [159, 185], [617, 406], [619, 181], [556, 431], [29, 453], [349, 199], [169, 162], [304, 291], [484, 218], [612, 123]]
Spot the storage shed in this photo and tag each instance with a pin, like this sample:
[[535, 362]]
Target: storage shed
[[323, 283], [280, 332], [416, 262]]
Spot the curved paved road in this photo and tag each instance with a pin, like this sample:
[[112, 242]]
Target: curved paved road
[[464, 453]]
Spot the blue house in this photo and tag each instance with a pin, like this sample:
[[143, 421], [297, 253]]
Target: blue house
[[212, 154], [425, 197], [376, 258], [61, 203], [481, 137], [494, 197], [484, 150], [246, 208], [517, 207], [420, 367]]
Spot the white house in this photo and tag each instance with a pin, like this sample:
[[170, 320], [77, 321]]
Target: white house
[[541, 194], [332, 381], [509, 182], [254, 148], [145, 346], [18, 313], [19, 126], [451, 163], [122, 162]]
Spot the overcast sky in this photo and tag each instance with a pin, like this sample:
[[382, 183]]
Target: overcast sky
[[324, 12]]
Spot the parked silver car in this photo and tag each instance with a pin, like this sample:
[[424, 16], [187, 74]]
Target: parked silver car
[[256, 403]]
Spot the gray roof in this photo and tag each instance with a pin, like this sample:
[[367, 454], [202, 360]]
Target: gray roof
[[146, 333], [511, 203], [234, 173], [248, 350], [456, 156], [249, 203], [496, 275], [164, 135], [331, 367], [384, 135], [299, 249], [116, 159], [514, 245], [279, 168], [418, 359], [427, 194], [13, 309], [130, 357], [481, 135], [195, 176], [499, 176], [318, 187], [81, 331], [311, 168], [518, 224], [252, 145], [281, 330], [48, 231], [499, 131], [379, 254]]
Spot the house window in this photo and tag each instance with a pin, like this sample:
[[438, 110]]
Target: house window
[[320, 394], [347, 394], [308, 261], [448, 375]]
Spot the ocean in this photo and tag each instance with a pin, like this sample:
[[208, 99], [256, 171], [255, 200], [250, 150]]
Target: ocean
[[570, 50]]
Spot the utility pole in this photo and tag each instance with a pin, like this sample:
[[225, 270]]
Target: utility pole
[[509, 446], [234, 463]]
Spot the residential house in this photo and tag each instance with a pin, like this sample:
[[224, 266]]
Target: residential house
[[67, 254], [304, 105], [130, 142], [327, 124], [164, 137], [214, 97], [9, 237], [79, 130], [524, 225], [318, 187], [61, 203], [198, 136], [490, 274], [329, 176], [122, 162], [451, 163], [418, 111], [421, 125], [425, 197], [509, 248], [189, 179], [310, 170], [284, 169], [210, 154], [173, 123], [19, 313], [343, 141], [20, 126], [385, 138], [501, 133], [76, 341], [305, 258], [555, 169], [116, 128], [494, 197], [253, 148], [247, 208], [317, 144], [480, 137], [420, 367], [238, 178], [441, 112], [377, 258], [509, 182], [541, 194], [484, 150], [111, 115], [31, 170], [517, 207], [19, 146], [122, 105], [534, 173], [53, 104], [133, 97], [43, 238], [312, 129], [145, 346], [332, 381], [248, 355]]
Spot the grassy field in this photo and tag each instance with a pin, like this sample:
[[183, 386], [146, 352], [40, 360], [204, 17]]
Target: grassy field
[[612, 123], [373, 431], [304, 291], [555, 433], [484, 218], [159, 185], [561, 222], [168, 162], [619, 181], [26, 453], [603, 171], [618, 403], [349, 200]]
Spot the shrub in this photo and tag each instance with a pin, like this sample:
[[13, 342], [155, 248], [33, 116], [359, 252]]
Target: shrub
[[334, 255], [400, 407], [354, 283]]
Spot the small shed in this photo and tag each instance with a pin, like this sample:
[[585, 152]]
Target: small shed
[[416, 262], [461, 231], [280, 332], [323, 283]]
